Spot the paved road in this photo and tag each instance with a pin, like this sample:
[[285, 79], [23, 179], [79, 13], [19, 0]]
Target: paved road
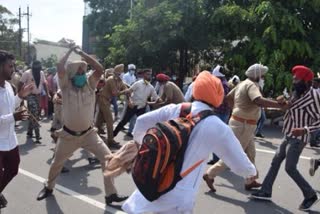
[[81, 190]]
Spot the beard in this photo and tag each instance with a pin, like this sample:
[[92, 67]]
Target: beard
[[299, 89]]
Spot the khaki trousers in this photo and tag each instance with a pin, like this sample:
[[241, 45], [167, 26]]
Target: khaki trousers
[[57, 118], [66, 146], [105, 114], [245, 134]]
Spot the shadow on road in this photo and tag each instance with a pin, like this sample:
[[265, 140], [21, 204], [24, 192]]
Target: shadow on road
[[52, 206], [265, 143], [251, 205]]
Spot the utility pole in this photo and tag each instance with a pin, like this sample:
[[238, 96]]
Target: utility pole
[[28, 30], [131, 3], [20, 34]]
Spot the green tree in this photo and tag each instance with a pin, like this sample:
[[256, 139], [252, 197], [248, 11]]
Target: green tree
[[8, 35], [102, 19], [51, 61]]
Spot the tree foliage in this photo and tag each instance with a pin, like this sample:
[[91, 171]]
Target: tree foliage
[[8, 35], [180, 34]]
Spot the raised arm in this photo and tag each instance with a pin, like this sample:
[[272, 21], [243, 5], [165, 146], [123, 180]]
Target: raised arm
[[61, 64], [98, 68]]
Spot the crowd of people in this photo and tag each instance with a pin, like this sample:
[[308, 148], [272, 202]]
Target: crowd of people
[[82, 98]]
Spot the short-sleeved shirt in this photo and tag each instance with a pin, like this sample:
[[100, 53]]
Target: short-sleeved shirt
[[172, 93], [243, 96], [111, 88], [141, 91], [27, 78], [78, 104]]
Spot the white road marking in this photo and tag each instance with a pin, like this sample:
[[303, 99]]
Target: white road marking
[[73, 193], [273, 152]]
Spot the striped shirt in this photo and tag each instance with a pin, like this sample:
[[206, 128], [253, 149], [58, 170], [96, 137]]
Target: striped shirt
[[304, 112]]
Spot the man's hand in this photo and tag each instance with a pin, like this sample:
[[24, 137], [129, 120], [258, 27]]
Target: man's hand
[[130, 105], [298, 132], [25, 90], [20, 115]]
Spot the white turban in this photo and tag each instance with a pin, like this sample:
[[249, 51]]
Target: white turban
[[256, 70], [73, 67], [216, 71]]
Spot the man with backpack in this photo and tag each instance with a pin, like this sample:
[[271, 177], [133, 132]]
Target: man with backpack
[[210, 134]]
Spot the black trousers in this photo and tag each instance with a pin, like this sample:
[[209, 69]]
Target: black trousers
[[130, 112]]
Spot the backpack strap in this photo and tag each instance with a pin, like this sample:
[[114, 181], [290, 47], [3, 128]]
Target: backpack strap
[[202, 115], [185, 109]]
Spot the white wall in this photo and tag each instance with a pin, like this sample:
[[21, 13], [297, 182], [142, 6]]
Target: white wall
[[45, 51]]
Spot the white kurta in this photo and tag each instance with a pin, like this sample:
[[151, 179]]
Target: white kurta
[[210, 135], [188, 95], [8, 103]]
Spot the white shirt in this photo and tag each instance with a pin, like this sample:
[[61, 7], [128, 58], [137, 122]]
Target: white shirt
[[202, 142], [8, 104], [129, 79], [141, 92], [188, 95]]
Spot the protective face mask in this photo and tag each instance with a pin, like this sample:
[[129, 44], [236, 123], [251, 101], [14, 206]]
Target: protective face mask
[[261, 83], [79, 80], [131, 72]]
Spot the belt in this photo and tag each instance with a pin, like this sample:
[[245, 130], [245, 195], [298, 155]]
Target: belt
[[251, 122], [74, 133]]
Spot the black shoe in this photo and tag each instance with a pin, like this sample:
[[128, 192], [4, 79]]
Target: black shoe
[[308, 203], [44, 193], [37, 141], [260, 195], [29, 135], [115, 198], [129, 135], [317, 145], [211, 162], [65, 170], [93, 161], [3, 201], [313, 166], [259, 135]]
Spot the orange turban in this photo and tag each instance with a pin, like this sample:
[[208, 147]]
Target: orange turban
[[208, 88]]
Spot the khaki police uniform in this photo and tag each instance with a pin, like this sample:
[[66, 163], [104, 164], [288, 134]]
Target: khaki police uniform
[[78, 113], [111, 88]]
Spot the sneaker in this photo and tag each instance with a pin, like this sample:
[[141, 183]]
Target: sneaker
[[260, 195], [308, 203], [259, 135], [115, 198], [129, 135], [3, 201], [313, 166], [93, 161], [212, 162], [254, 184]]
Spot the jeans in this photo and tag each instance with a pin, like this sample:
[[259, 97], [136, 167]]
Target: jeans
[[115, 105], [130, 112], [261, 121], [290, 149], [315, 138]]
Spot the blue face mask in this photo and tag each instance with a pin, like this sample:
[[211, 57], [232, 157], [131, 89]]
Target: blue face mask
[[79, 80]]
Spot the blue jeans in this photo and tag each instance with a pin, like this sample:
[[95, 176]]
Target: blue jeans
[[261, 121], [115, 105], [290, 149], [315, 138]]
